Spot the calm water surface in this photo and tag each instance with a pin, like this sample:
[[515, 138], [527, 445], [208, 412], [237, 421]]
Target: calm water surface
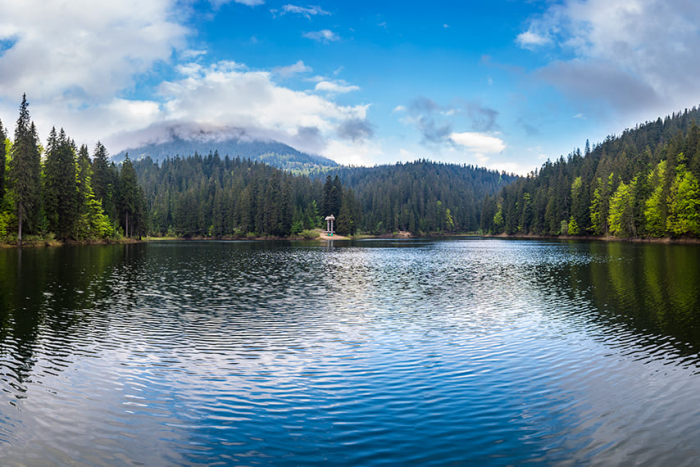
[[422, 352]]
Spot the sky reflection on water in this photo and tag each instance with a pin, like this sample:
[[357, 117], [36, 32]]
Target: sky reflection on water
[[427, 351]]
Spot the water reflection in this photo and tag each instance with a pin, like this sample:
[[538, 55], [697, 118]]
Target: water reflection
[[403, 351]]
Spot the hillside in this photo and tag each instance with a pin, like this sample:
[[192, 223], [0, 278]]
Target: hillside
[[421, 196], [272, 153], [643, 183], [210, 196]]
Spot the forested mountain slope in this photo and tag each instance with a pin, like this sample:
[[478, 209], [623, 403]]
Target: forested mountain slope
[[643, 183], [421, 196], [270, 152], [211, 196]]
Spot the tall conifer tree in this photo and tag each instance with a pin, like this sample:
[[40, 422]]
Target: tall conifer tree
[[25, 170], [3, 137], [128, 195], [101, 177]]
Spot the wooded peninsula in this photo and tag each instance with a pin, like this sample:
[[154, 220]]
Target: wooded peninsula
[[642, 184]]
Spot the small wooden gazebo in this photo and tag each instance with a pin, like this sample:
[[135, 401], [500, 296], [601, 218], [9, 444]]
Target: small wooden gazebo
[[329, 224]]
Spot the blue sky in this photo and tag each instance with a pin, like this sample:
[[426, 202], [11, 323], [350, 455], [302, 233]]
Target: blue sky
[[502, 84]]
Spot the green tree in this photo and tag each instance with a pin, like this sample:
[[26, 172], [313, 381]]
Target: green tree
[[3, 137], [128, 196], [102, 178], [25, 170], [346, 224], [621, 216], [573, 226], [92, 222], [313, 217], [60, 200], [498, 221], [654, 206], [332, 196], [579, 207], [600, 206], [684, 204], [327, 204]]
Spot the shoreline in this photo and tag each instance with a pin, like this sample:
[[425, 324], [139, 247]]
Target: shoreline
[[608, 238], [322, 237], [52, 243]]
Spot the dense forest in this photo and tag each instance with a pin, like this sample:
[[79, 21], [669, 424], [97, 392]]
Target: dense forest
[[421, 197], [211, 196], [60, 192], [643, 183]]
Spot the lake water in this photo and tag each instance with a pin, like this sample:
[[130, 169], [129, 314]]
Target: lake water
[[423, 352]]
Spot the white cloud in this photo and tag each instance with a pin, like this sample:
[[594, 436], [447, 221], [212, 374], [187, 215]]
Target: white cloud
[[478, 142], [308, 12], [82, 50], [364, 153], [190, 54], [287, 71], [218, 3], [406, 155], [236, 101], [399, 108], [339, 87], [511, 167], [638, 57], [73, 59], [531, 40], [325, 36]]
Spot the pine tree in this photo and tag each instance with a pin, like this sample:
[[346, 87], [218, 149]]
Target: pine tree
[[600, 206], [129, 195], [51, 176], [654, 206], [60, 184], [327, 205], [579, 206], [346, 223], [684, 204], [621, 216], [92, 222], [25, 170], [3, 137], [102, 178], [336, 196]]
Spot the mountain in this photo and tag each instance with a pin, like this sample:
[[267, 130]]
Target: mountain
[[272, 153]]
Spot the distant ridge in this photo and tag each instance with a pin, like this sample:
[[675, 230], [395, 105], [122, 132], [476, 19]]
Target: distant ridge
[[273, 153]]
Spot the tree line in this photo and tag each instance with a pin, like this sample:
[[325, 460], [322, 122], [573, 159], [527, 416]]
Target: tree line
[[643, 183], [211, 196], [421, 197], [59, 191]]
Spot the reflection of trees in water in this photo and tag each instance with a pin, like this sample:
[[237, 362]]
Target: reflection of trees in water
[[653, 288], [47, 297]]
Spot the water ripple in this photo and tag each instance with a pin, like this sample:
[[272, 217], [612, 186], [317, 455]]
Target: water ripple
[[482, 352]]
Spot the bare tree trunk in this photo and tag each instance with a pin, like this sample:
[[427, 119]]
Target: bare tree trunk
[[127, 224]]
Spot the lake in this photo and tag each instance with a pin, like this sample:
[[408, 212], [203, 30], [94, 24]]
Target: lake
[[376, 352]]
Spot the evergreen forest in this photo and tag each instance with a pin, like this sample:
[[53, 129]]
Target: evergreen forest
[[214, 197], [59, 191], [643, 183]]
